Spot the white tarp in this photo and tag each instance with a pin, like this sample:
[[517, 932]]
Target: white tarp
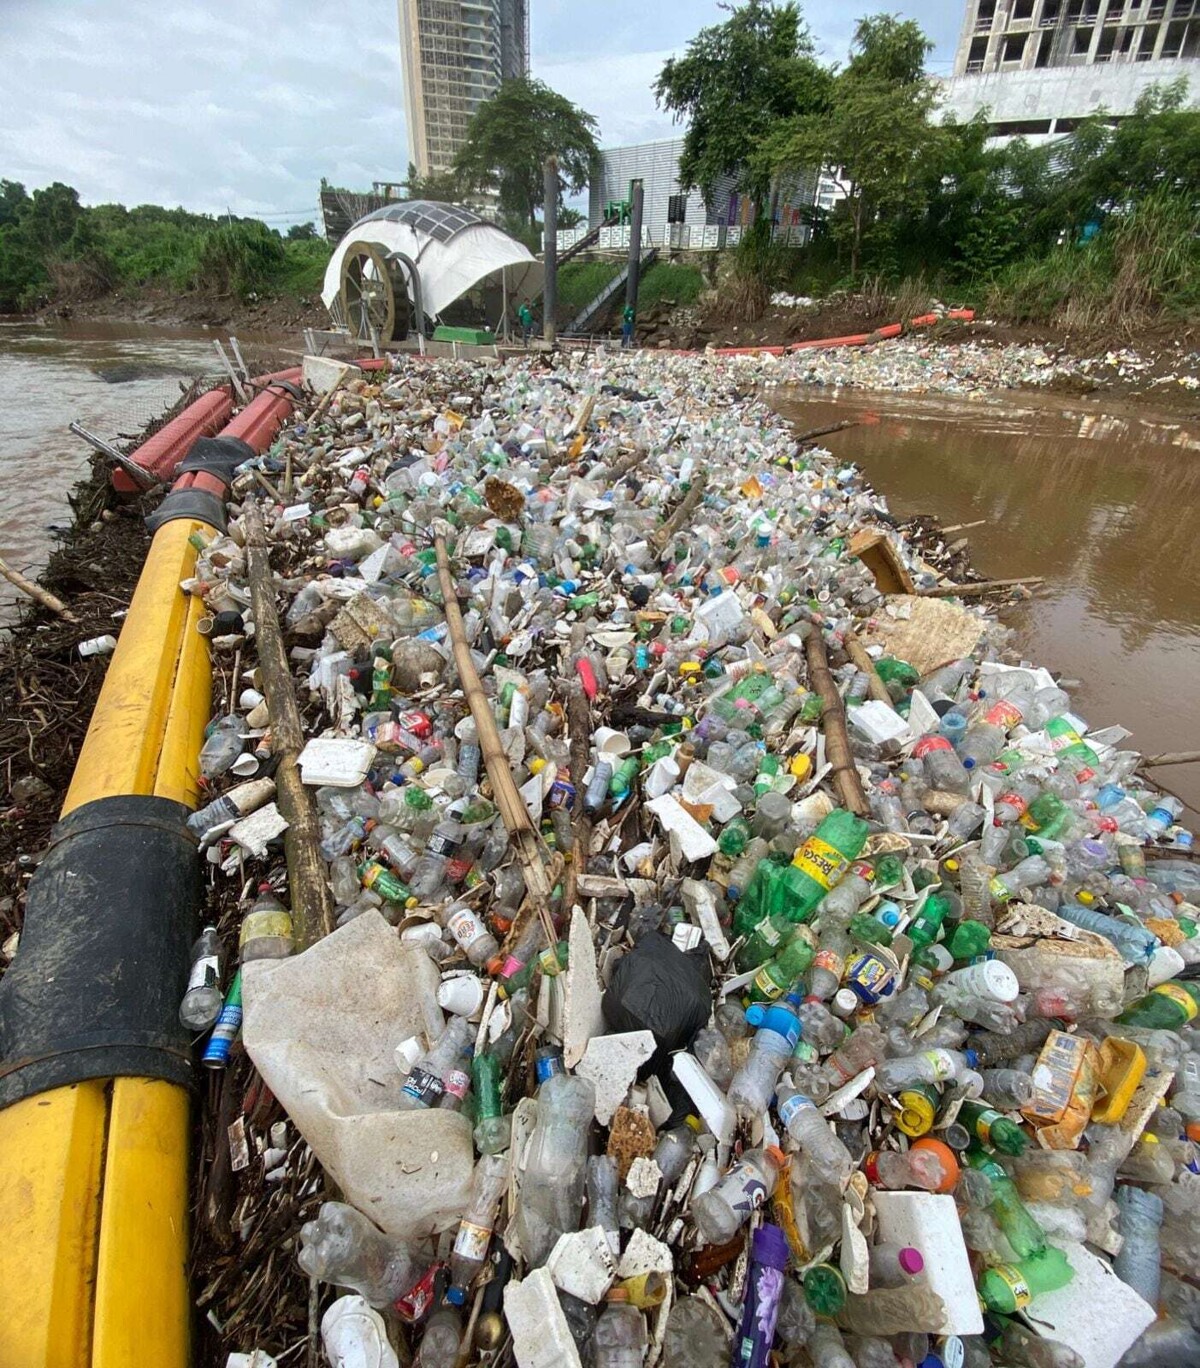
[[447, 269]]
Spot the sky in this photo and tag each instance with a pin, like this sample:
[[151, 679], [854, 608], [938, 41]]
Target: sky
[[243, 105]]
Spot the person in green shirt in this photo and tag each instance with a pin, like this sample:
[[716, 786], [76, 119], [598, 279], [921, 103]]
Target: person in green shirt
[[525, 318], [627, 317]]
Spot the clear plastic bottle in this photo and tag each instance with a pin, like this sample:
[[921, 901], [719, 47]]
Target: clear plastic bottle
[[1139, 1260], [826, 1349], [472, 937], [341, 1246], [425, 1085], [672, 1152], [555, 1165], [778, 1030], [602, 1195], [895, 1265], [201, 1003], [441, 1339], [488, 1183], [943, 768], [222, 746], [1006, 1208], [929, 1164], [846, 896], [620, 1339], [744, 866], [266, 931], [930, 1066], [720, 1213], [1007, 1089], [857, 1052], [696, 1335], [812, 1133]]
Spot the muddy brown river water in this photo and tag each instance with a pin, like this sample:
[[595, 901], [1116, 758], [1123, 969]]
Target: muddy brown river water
[[1104, 504]]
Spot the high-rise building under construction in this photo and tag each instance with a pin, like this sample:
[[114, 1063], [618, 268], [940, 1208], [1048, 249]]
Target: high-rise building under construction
[[455, 54]]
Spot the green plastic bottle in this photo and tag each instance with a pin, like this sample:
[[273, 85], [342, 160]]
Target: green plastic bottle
[[1008, 1211], [889, 871], [824, 857], [778, 975], [1008, 1287], [1169, 1007], [734, 838], [379, 879], [970, 939], [764, 941], [926, 926], [492, 1127], [989, 1127]]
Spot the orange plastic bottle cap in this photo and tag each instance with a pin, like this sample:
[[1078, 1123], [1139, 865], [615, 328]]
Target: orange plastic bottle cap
[[948, 1159]]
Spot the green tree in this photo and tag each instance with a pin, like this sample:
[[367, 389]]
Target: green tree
[[568, 217], [874, 137], [13, 201], [733, 85], [302, 232], [511, 135], [441, 186]]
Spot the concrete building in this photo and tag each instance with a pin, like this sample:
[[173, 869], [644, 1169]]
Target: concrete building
[[455, 53], [1039, 66], [657, 165]]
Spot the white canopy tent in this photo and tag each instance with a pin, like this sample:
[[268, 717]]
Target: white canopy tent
[[452, 248]]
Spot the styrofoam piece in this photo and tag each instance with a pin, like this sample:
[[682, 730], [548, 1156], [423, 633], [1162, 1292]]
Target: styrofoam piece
[[645, 1254], [1096, 1314], [878, 722], [335, 761], [643, 1177], [353, 1335], [700, 904], [687, 937], [321, 373], [720, 615], [704, 785], [582, 1017], [661, 777], [657, 1103], [256, 1358], [612, 1062], [694, 842], [254, 832], [922, 717], [710, 1101], [929, 1222], [322, 1028], [541, 1335], [582, 1264]]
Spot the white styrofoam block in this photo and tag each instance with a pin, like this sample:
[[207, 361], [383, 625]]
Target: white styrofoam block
[[878, 722], [929, 1222], [335, 761], [255, 831], [321, 373], [704, 785], [718, 1115], [922, 718], [1096, 1314], [643, 1177], [694, 842], [582, 1017], [612, 1062], [541, 1335], [645, 1254], [582, 1264], [700, 904]]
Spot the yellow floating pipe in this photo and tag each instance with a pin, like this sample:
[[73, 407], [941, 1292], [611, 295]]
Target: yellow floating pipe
[[93, 1189]]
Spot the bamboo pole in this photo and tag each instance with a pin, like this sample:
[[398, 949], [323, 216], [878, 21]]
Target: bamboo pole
[[36, 592], [1171, 758], [974, 590], [875, 686], [512, 807], [833, 724], [312, 901]]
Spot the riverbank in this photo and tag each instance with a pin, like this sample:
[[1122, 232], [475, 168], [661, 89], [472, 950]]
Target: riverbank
[[274, 314]]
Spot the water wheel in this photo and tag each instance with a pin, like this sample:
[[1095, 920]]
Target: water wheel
[[373, 295]]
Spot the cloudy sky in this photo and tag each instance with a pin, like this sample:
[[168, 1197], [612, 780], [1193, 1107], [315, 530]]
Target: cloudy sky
[[245, 104]]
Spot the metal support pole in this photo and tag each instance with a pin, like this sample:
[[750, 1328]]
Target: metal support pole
[[635, 249], [550, 218]]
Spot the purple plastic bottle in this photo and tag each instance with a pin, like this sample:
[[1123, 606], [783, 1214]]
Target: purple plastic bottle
[[764, 1288]]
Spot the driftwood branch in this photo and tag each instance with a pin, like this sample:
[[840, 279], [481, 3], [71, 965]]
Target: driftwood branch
[[833, 723], [962, 527], [875, 686], [662, 538], [312, 901], [802, 437], [975, 590], [1171, 758], [516, 817], [36, 592]]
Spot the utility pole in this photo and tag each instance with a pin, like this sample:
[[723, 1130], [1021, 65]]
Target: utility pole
[[550, 223], [632, 280]]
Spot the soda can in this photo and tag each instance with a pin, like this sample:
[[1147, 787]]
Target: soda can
[[225, 1032]]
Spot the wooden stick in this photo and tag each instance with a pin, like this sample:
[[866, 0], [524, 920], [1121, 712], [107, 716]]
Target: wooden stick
[[875, 686], [974, 590], [327, 397], [512, 807], [582, 417], [36, 592], [579, 717], [312, 901], [662, 537], [962, 527], [833, 724], [802, 437], [267, 485], [1171, 758]]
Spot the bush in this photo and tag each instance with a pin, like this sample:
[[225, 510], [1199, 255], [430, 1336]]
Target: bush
[[670, 280]]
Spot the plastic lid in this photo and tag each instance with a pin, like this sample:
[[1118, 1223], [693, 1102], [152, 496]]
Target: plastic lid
[[845, 1003], [456, 1296], [911, 1260], [776, 1155], [997, 980], [825, 1289]]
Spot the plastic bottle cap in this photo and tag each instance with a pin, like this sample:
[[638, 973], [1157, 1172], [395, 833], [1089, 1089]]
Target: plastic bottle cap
[[776, 1155], [911, 1261], [844, 1002], [456, 1296]]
